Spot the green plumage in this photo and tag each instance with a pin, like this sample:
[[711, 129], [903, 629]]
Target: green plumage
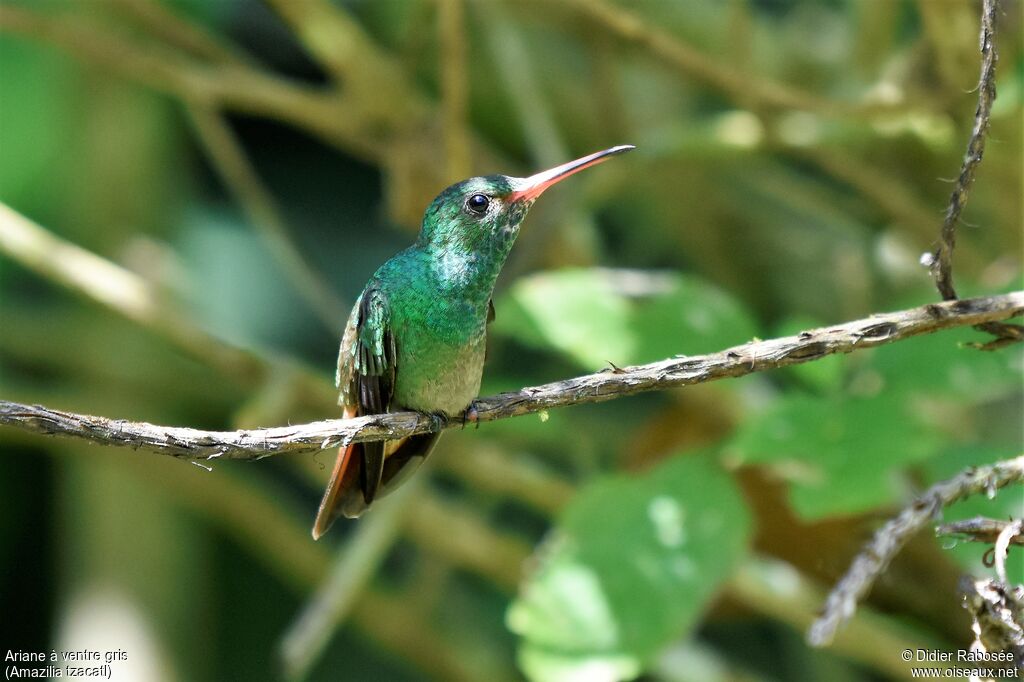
[[416, 337]]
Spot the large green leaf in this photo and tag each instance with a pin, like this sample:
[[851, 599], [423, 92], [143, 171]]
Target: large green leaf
[[596, 316], [942, 365], [629, 568], [840, 455], [843, 454]]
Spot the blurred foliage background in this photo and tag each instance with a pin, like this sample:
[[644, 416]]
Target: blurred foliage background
[[248, 165]]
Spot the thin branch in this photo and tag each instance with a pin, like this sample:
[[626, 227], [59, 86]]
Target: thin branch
[[256, 519], [890, 538], [941, 260], [227, 156], [778, 590], [353, 569], [978, 529], [372, 81], [746, 89], [377, 113], [1013, 532], [135, 298], [942, 266], [238, 88], [89, 275], [167, 26], [755, 356], [997, 615]]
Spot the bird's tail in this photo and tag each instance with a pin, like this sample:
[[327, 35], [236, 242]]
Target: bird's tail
[[344, 494]]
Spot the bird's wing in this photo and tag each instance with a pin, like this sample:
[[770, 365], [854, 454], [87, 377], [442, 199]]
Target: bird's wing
[[366, 379]]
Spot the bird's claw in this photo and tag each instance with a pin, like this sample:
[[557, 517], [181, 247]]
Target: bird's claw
[[471, 415]]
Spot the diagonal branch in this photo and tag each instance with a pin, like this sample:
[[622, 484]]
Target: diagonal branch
[[225, 153], [240, 88], [755, 356], [753, 90], [890, 538], [137, 299], [164, 24]]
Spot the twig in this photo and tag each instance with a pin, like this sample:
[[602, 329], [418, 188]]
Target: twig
[[1013, 531], [941, 260], [745, 89], [997, 612], [88, 274], [241, 89], [890, 538], [978, 529], [165, 25], [353, 569], [366, 76], [779, 591], [755, 356], [942, 265], [226, 155], [137, 299], [256, 519]]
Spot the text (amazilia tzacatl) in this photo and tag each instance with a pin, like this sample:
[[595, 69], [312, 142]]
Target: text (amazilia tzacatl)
[[415, 339]]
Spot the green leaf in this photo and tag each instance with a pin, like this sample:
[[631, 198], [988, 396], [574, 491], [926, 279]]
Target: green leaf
[[941, 365], [840, 455], [38, 117], [596, 316], [629, 568]]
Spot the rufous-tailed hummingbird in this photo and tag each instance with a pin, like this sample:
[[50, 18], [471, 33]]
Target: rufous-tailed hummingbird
[[416, 337]]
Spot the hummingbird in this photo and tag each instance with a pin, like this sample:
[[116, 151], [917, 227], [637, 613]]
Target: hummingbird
[[416, 337]]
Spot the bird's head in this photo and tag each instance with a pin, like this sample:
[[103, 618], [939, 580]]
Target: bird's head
[[483, 214]]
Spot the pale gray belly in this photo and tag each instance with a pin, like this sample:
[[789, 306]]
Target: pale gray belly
[[444, 379]]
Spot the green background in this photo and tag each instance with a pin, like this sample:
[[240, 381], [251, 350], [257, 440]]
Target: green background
[[793, 162]]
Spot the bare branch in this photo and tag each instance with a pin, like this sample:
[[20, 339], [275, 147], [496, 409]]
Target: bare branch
[[238, 88], [778, 590], [755, 90], [756, 356], [162, 22], [137, 299], [890, 538], [978, 529], [942, 265], [997, 612], [229, 159], [351, 572], [941, 260], [1013, 531]]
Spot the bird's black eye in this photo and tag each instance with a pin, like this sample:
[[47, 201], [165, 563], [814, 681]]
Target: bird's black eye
[[478, 203]]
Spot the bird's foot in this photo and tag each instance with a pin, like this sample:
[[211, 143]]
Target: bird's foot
[[438, 420], [471, 415]]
